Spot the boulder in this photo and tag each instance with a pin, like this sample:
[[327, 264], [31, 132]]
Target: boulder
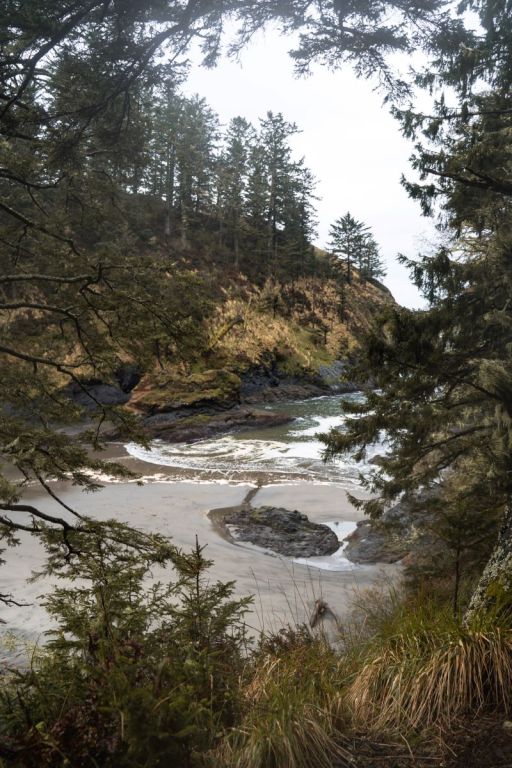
[[287, 532], [186, 427], [93, 392], [403, 531]]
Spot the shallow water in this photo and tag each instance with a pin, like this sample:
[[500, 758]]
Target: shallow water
[[284, 453]]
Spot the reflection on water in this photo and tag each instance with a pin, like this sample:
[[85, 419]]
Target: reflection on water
[[289, 451]]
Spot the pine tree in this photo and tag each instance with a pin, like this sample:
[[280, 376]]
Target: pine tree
[[233, 179], [347, 239]]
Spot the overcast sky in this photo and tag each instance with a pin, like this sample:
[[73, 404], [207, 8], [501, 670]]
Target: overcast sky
[[349, 140]]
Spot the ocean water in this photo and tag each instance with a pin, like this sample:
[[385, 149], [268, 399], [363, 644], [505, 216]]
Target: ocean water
[[282, 454]]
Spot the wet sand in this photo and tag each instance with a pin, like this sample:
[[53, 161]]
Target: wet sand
[[284, 592]]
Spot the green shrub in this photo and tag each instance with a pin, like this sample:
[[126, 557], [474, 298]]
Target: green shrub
[[133, 675]]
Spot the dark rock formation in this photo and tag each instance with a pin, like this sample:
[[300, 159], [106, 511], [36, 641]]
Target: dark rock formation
[[287, 532], [93, 393], [402, 531], [269, 385], [180, 427], [128, 375]]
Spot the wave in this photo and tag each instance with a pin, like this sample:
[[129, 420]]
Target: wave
[[285, 453]]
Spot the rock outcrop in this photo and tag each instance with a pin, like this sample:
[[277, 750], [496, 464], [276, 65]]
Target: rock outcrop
[[287, 532], [180, 427], [403, 532]]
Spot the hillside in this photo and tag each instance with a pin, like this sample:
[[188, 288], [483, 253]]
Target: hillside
[[258, 344]]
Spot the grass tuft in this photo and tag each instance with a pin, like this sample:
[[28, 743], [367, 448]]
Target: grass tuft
[[421, 669], [293, 713]]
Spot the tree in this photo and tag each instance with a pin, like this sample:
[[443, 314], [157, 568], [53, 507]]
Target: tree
[[130, 674], [72, 84], [299, 223], [80, 287], [233, 171], [370, 263], [348, 239], [274, 136]]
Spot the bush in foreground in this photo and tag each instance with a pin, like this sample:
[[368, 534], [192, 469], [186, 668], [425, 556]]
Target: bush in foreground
[[134, 675], [142, 675]]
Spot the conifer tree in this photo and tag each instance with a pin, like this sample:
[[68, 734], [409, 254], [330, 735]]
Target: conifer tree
[[348, 240], [233, 179]]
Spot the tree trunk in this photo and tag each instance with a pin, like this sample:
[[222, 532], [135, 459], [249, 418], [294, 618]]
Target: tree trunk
[[236, 246], [496, 579]]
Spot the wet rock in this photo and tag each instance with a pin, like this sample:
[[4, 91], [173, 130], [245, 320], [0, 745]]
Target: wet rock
[[93, 393], [284, 392], [287, 532], [334, 376], [179, 427], [372, 542], [269, 385], [128, 375]]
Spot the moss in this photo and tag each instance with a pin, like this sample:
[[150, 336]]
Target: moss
[[160, 393], [195, 421]]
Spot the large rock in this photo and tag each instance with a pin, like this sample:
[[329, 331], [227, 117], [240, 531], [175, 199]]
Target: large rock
[[403, 531], [287, 532], [269, 385], [92, 394], [160, 393], [180, 427]]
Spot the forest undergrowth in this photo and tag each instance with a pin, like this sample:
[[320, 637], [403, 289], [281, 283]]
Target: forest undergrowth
[[138, 673]]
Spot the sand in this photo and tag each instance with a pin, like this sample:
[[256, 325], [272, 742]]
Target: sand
[[284, 592]]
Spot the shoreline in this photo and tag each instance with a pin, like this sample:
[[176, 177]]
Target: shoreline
[[284, 591]]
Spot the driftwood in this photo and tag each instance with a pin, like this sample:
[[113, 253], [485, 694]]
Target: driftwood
[[320, 612]]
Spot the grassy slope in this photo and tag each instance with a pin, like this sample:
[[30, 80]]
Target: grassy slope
[[293, 329]]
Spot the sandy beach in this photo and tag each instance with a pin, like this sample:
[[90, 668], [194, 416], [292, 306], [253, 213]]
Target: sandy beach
[[284, 591]]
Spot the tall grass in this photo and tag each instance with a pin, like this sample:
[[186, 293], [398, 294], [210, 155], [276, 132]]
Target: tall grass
[[420, 669], [293, 713], [408, 671]]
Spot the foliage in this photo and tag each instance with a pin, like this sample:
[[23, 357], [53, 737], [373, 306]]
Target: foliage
[[292, 714], [420, 670], [136, 672], [352, 243]]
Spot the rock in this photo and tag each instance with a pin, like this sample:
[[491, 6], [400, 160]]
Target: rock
[[128, 375], [269, 385], [94, 392], [402, 533], [257, 379], [285, 391], [216, 388], [374, 543], [180, 427], [287, 532], [335, 376]]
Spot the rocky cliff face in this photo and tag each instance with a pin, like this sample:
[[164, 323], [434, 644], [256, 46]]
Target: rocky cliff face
[[297, 348]]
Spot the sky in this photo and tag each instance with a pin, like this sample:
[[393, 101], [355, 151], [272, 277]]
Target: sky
[[348, 138]]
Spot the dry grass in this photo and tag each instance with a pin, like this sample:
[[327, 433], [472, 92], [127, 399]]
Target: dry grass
[[293, 713], [409, 676], [421, 670]]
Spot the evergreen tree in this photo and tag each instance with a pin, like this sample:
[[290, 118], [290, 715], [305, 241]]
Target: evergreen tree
[[347, 239], [233, 179], [370, 263], [274, 136]]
